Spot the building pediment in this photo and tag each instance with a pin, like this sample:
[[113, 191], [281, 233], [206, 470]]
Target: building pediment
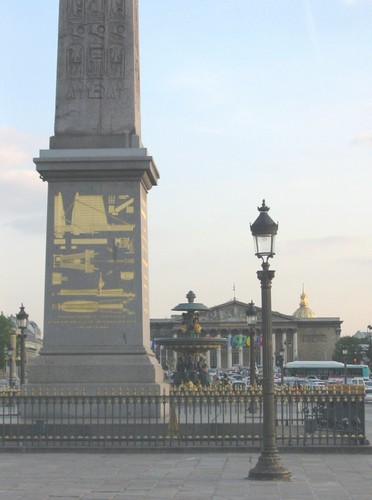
[[235, 312]]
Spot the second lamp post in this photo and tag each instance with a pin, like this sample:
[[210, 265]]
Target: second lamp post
[[22, 321]]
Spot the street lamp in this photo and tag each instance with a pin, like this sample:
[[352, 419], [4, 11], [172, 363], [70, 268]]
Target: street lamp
[[251, 313], [10, 353], [345, 353], [269, 464], [22, 321], [13, 346]]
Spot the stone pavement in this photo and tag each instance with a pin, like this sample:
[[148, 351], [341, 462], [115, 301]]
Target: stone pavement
[[200, 475]]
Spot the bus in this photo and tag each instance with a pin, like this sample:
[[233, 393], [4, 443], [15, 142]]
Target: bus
[[324, 370]]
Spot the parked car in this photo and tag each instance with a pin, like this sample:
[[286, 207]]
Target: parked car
[[296, 382], [238, 385], [317, 383], [368, 387], [357, 381]]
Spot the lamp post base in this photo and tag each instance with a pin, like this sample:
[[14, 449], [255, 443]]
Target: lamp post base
[[269, 468]]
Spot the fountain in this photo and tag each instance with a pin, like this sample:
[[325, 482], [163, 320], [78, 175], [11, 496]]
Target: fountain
[[191, 345]]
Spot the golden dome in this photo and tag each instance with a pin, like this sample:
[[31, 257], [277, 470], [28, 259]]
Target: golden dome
[[304, 311]]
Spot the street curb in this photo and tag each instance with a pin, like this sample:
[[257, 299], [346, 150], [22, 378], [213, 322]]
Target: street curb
[[310, 450]]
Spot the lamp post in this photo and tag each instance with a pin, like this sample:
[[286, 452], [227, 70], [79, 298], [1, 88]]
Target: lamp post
[[22, 321], [345, 353], [13, 345], [251, 313], [269, 464], [10, 353]]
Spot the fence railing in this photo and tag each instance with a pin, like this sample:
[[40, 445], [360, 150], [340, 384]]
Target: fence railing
[[184, 418]]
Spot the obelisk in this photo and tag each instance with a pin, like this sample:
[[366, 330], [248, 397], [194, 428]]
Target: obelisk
[[96, 321]]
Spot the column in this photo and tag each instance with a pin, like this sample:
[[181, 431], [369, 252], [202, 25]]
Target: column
[[219, 364], [261, 355], [229, 353], [274, 347], [295, 346], [241, 363], [208, 358], [175, 358], [285, 347]]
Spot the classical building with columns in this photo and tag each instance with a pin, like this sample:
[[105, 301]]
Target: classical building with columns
[[301, 336]]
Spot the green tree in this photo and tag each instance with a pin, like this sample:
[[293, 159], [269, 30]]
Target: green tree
[[5, 326], [353, 347]]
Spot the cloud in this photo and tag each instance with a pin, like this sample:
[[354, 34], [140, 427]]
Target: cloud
[[17, 147], [355, 2], [363, 138], [12, 155], [29, 225], [205, 83], [311, 26], [337, 246], [21, 191]]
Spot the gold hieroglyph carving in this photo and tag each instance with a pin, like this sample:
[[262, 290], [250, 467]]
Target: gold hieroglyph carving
[[87, 215]]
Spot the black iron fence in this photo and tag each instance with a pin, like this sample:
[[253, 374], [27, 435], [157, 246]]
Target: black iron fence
[[213, 417]]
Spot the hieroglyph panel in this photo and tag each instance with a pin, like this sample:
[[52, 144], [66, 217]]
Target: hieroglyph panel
[[95, 52], [94, 258]]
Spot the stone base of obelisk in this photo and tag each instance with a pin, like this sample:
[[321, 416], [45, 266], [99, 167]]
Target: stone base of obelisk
[[98, 375], [96, 301], [90, 369]]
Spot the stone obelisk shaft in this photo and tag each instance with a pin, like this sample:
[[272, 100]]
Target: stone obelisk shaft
[[98, 75]]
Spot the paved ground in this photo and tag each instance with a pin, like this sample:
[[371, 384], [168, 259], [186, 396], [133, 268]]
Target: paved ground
[[219, 476], [201, 475]]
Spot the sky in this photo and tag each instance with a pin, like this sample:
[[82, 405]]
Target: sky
[[241, 100]]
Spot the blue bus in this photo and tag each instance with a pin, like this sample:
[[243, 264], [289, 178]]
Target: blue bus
[[324, 370]]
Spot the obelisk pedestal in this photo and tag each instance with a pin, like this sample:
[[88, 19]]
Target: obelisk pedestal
[[96, 323]]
